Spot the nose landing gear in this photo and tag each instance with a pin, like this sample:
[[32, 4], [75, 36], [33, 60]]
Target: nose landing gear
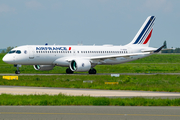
[[17, 71]]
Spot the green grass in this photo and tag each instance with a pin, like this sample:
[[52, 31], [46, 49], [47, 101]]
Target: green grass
[[158, 63], [170, 83], [160, 58], [6, 99], [161, 63]]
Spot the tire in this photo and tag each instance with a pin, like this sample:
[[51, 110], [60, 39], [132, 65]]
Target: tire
[[17, 72], [92, 71], [69, 71]]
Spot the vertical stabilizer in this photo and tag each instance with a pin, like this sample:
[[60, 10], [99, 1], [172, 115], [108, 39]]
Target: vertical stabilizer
[[144, 34]]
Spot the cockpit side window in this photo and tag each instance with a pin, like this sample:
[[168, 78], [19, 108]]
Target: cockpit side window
[[18, 52], [12, 51]]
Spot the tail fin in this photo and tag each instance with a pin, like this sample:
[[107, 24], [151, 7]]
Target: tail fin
[[144, 34]]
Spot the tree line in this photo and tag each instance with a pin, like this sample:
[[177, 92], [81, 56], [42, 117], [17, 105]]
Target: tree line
[[176, 50], [7, 50]]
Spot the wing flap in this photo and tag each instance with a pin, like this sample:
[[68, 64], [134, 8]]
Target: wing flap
[[116, 56], [149, 50]]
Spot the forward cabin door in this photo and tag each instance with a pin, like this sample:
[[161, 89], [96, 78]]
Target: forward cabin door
[[31, 53]]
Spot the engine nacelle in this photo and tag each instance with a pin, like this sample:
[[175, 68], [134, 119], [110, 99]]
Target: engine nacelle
[[43, 67], [80, 65]]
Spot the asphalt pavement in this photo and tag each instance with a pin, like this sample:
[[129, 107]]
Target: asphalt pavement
[[88, 113]]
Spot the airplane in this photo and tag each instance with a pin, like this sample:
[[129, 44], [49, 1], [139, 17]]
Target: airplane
[[83, 58]]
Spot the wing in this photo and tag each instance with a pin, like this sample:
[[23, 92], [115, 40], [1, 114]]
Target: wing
[[109, 56], [149, 49], [116, 56], [156, 50]]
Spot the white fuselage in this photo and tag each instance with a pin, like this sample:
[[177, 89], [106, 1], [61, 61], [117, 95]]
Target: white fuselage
[[59, 54]]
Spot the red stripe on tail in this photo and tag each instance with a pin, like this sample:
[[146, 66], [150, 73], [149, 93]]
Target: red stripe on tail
[[148, 37]]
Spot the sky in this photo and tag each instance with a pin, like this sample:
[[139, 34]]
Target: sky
[[87, 22]]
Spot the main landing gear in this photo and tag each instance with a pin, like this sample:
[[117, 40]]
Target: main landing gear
[[17, 71], [92, 71], [69, 71]]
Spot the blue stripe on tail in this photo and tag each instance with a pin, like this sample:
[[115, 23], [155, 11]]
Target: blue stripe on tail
[[143, 31], [147, 32]]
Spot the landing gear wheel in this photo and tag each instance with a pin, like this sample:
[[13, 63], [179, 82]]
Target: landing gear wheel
[[69, 71], [17, 72], [17, 67], [92, 71]]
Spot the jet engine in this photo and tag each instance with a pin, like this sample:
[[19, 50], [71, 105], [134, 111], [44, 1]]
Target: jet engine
[[43, 67], [80, 65]]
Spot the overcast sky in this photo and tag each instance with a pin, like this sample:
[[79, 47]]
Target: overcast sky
[[62, 22]]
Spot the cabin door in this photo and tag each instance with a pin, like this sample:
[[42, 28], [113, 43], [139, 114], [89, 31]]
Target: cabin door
[[31, 53]]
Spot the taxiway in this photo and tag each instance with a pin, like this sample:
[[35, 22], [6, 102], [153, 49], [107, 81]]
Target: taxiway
[[20, 90]]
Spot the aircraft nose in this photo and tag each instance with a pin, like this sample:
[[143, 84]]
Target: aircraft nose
[[7, 59]]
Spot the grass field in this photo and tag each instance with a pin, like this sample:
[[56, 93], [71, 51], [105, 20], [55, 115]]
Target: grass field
[[170, 83], [158, 63], [60, 99]]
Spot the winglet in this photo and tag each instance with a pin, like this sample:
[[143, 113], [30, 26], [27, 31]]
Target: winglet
[[159, 49]]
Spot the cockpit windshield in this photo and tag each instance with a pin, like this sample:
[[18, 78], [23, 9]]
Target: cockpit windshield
[[15, 51], [18, 52]]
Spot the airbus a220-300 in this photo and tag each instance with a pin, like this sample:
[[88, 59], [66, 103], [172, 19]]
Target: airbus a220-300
[[83, 58]]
